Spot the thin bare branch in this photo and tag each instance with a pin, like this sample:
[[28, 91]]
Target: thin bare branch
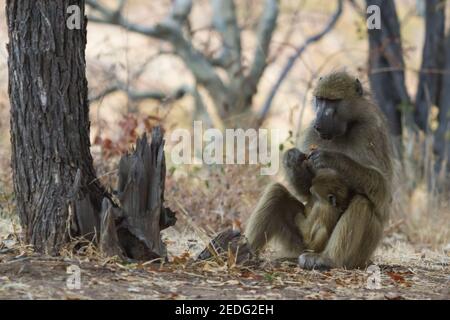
[[135, 95], [285, 43], [292, 59], [170, 30], [266, 27], [180, 10], [225, 22], [121, 5], [360, 10]]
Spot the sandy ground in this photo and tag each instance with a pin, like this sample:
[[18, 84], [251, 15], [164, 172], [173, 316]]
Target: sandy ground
[[405, 272]]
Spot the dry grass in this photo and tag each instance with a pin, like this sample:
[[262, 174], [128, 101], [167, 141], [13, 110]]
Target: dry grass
[[405, 273]]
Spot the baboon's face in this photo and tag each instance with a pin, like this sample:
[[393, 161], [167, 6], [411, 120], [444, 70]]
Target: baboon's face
[[330, 121], [324, 195], [328, 187], [335, 98]]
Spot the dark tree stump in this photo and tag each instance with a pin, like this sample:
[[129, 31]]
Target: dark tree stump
[[141, 216], [226, 244], [109, 240]]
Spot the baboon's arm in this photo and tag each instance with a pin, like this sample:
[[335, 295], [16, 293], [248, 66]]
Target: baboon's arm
[[297, 171], [364, 180]]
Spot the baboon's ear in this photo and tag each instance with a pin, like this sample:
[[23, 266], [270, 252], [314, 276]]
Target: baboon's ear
[[359, 88]]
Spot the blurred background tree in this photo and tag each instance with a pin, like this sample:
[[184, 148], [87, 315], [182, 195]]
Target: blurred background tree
[[224, 73], [231, 81]]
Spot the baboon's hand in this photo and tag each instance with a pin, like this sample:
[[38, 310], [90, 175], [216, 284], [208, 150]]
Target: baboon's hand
[[321, 159], [297, 170], [311, 260], [293, 158]]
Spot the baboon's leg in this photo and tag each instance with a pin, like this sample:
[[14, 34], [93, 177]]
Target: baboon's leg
[[353, 240], [317, 227], [275, 217], [319, 238]]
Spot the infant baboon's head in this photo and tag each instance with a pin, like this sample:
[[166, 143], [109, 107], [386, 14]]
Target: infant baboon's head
[[329, 187]]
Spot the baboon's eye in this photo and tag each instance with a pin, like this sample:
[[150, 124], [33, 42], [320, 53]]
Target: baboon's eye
[[332, 199]]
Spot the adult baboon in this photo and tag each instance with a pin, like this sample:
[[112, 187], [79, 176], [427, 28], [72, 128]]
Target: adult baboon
[[350, 136]]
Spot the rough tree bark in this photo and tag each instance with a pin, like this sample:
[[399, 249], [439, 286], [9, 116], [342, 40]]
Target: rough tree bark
[[386, 68], [428, 91], [133, 230], [50, 124], [57, 193]]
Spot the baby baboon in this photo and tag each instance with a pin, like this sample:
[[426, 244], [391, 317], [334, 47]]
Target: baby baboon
[[329, 188], [332, 196], [351, 137]]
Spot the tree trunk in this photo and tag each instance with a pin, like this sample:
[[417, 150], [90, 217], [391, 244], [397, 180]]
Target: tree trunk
[[54, 180], [428, 91], [442, 134], [386, 68]]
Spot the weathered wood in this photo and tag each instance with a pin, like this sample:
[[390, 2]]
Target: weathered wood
[[109, 240], [167, 218], [228, 244], [50, 123], [142, 213]]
